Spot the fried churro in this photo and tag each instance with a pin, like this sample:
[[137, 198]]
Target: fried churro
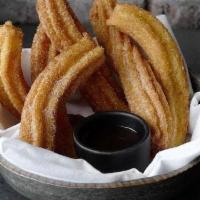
[[165, 58], [58, 23], [13, 88], [58, 81], [145, 92], [102, 91], [42, 52]]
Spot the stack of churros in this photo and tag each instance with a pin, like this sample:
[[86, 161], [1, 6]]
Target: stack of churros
[[52, 39], [141, 72], [53, 36], [150, 68]]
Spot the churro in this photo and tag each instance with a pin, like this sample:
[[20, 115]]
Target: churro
[[42, 52], [13, 88], [58, 81], [102, 92], [146, 94], [165, 58]]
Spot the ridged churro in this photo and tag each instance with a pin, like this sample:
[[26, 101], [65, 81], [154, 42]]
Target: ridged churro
[[58, 81], [58, 23], [165, 58], [13, 88], [102, 92], [143, 85], [42, 52]]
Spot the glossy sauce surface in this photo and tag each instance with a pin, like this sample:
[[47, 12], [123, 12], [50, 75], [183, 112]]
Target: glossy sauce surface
[[110, 138]]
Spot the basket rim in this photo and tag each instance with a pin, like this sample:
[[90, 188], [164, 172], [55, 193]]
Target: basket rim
[[58, 183]]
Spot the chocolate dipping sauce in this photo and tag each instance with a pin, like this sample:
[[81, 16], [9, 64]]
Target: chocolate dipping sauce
[[110, 138]]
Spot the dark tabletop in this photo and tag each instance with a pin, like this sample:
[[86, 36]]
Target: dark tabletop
[[190, 44]]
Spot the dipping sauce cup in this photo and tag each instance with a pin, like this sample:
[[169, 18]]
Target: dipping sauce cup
[[113, 141]]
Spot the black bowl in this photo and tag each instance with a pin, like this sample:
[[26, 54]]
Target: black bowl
[[135, 155], [162, 187]]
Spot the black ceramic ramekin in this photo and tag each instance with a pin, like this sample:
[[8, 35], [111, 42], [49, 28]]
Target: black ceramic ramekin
[[135, 156]]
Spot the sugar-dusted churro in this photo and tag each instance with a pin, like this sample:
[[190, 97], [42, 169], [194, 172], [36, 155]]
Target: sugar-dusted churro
[[165, 58], [146, 93], [58, 81], [13, 88], [102, 92]]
